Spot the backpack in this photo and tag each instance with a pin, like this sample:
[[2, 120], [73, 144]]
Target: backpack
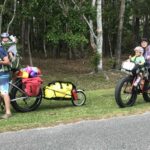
[[15, 62], [14, 58]]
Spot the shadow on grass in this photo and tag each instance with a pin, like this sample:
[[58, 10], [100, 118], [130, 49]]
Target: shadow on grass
[[55, 104]]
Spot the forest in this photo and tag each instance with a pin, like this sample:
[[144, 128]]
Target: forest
[[70, 28]]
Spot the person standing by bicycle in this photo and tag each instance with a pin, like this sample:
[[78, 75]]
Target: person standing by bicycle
[[145, 45], [5, 76]]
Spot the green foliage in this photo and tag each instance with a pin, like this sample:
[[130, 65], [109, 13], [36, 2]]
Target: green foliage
[[61, 22], [73, 40]]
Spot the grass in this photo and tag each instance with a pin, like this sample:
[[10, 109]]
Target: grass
[[99, 91], [100, 104]]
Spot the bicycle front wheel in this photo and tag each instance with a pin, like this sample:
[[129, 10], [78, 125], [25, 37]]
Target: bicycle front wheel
[[125, 95], [21, 102]]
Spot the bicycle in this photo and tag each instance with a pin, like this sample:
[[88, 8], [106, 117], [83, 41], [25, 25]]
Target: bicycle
[[20, 101], [125, 91]]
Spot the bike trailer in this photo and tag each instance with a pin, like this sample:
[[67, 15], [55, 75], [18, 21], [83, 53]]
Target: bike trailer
[[32, 85], [59, 89]]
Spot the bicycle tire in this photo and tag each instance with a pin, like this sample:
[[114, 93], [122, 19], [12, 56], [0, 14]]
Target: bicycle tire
[[25, 104], [131, 93], [146, 95], [80, 100]]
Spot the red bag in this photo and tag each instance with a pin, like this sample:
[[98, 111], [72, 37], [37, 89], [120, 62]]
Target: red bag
[[32, 86]]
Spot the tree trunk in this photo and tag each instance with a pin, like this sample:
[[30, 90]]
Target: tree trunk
[[1, 15], [99, 33], [13, 17], [44, 40], [23, 35], [146, 26], [136, 29], [44, 47], [23, 31], [29, 48], [120, 30], [92, 39]]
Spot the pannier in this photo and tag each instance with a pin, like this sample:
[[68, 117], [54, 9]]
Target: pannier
[[32, 86]]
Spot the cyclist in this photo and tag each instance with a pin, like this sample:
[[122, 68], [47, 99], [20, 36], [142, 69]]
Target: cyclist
[[4, 79], [145, 45]]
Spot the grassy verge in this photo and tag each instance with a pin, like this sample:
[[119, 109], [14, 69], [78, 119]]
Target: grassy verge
[[99, 91], [100, 104]]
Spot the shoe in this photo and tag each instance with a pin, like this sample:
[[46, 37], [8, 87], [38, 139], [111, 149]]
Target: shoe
[[6, 116]]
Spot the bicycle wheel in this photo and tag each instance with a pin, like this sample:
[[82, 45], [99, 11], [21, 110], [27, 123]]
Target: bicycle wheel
[[81, 98], [146, 94], [125, 94], [24, 103]]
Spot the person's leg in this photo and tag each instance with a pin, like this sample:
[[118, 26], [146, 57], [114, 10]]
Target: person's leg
[[148, 73], [4, 87], [137, 80], [7, 103]]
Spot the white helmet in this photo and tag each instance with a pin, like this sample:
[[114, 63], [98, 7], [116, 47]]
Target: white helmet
[[5, 35], [139, 49]]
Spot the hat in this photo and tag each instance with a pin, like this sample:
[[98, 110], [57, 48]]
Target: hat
[[5, 35], [139, 49]]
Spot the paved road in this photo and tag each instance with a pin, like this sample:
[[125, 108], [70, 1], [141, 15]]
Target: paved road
[[124, 133]]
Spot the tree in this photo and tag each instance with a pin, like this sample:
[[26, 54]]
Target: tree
[[99, 41], [13, 17], [120, 30], [95, 37], [1, 14]]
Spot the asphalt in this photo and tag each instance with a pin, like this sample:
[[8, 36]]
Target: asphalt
[[122, 133]]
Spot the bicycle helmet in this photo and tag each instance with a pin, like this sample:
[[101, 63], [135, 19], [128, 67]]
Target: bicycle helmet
[[139, 49], [5, 35]]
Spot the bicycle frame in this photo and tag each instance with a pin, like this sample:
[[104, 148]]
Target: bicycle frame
[[15, 86]]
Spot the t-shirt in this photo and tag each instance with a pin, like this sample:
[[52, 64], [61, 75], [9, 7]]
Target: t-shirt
[[147, 54], [138, 59], [3, 54]]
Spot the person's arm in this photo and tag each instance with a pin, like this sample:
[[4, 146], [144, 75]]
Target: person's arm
[[11, 56], [142, 61], [132, 59], [148, 53], [5, 61]]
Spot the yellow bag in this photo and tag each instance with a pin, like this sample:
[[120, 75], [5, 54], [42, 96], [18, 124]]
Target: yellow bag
[[58, 89]]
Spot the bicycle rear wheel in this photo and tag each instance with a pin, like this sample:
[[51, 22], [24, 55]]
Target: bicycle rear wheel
[[22, 102], [81, 98]]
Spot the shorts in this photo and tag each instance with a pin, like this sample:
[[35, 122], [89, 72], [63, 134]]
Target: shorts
[[4, 82]]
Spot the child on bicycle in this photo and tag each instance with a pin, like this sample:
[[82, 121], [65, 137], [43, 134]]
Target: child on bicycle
[[139, 61]]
